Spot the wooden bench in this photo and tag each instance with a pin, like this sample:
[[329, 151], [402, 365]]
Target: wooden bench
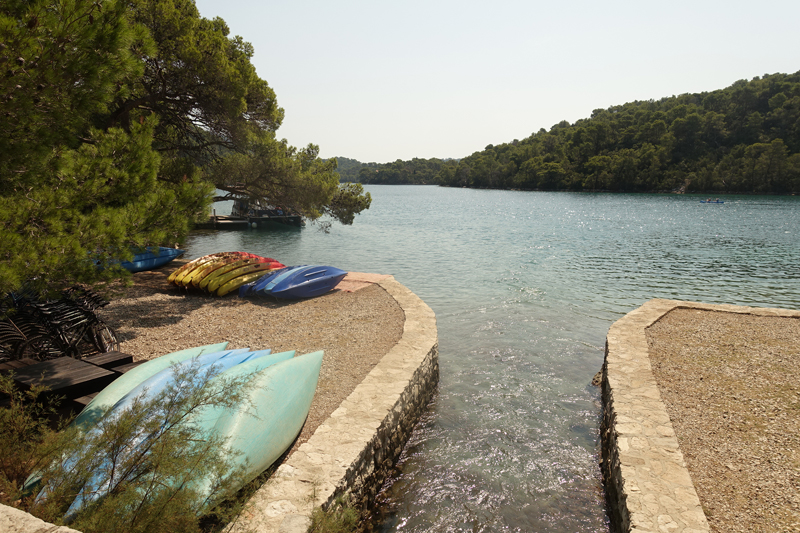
[[15, 364], [83, 401], [124, 368], [65, 376], [110, 360]]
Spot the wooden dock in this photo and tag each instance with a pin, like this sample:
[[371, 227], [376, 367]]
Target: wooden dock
[[227, 222]]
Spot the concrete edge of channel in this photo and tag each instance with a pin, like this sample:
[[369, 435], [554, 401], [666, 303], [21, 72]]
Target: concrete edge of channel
[[352, 452], [647, 482]]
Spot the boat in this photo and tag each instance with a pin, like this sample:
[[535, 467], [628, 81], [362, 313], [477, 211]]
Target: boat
[[212, 265], [221, 363], [212, 272], [258, 287], [257, 212], [280, 401], [121, 386], [176, 278], [110, 395], [184, 269], [152, 257], [232, 275], [303, 282], [710, 201], [237, 282]]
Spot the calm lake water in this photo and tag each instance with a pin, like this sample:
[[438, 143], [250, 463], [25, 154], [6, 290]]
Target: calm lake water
[[525, 286]]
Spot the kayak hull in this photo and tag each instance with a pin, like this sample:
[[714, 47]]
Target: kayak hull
[[279, 404], [308, 282], [153, 257]]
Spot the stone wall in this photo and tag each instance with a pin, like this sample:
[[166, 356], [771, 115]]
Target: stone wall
[[354, 450], [648, 485]]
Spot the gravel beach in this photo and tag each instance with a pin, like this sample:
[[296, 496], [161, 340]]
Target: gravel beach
[[730, 385], [355, 329]]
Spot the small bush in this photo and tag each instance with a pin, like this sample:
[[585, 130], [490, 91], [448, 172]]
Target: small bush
[[150, 468], [26, 440], [340, 517]]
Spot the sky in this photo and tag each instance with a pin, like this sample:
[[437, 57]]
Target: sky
[[379, 81]]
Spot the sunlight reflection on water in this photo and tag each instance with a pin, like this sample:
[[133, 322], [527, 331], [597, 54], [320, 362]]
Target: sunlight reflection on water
[[525, 286]]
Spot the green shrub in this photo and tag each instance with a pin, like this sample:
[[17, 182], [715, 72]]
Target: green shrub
[[340, 517], [26, 440], [155, 457]]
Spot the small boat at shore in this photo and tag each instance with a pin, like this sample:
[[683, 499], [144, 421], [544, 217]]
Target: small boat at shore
[[151, 258], [106, 398], [304, 281], [241, 365], [279, 405], [224, 272], [710, 201]]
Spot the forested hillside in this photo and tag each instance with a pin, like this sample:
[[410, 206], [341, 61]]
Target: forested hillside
[[414, 172], [742, 139]]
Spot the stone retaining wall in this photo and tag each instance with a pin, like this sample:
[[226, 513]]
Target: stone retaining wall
[[350, 453], [353, 451], [648, 485]]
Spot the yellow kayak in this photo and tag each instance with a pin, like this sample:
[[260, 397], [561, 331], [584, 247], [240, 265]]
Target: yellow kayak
[[183, 280], [224, 269], [219, 281], [211, 267], [195, 276], [178, 280], [183, 268], [238, 281]]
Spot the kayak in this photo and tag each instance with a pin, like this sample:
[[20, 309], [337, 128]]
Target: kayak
[[110, 395], [221, 362], [152, 257], [280, 401], [307, 282]]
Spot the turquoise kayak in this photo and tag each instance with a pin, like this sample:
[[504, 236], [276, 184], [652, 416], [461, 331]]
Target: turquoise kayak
[[280, 401], [121, 386], [221, 362]]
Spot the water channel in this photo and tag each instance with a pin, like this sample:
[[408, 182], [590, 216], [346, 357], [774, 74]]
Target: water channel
[[525, 286]]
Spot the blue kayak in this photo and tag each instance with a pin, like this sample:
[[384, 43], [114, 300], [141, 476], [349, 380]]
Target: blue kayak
[[152, 257], [304, 281]]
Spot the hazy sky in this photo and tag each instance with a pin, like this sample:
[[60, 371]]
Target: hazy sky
[[379, 81]]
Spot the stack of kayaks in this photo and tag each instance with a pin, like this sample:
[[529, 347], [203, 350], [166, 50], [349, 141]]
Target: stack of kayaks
[[304, 281], [279, 394], [223, 272]]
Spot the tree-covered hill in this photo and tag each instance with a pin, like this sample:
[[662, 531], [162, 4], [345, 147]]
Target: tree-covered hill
[[742, 139], [414, 172]]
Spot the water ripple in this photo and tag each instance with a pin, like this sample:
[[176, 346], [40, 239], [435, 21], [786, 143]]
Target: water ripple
[[525, 286]]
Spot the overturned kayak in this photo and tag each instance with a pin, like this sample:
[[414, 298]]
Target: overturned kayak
[[152, 257], [121, 386], [304, 281], [223, 272], [280, 401], [106, 478]]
